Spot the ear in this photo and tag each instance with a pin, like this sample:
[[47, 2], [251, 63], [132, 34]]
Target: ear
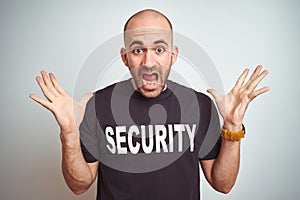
[[124, 56], [174, 54]]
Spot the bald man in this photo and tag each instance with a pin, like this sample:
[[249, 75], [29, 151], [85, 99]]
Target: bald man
[[142, 137]]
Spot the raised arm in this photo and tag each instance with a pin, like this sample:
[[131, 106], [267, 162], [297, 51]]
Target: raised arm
[[78, 174], [222, 172]]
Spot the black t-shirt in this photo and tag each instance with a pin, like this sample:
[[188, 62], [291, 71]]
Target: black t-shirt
[[149, 148]]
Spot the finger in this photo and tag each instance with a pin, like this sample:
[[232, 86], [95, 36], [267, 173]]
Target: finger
[[254, 75], [253, 84], [256, 72], [46, 79], [259, 92], [56, 84], [242, 78], [44, 103], [48, 83], [47, 93]]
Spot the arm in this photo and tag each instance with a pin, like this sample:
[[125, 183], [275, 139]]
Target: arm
[[222, 172], [78, 174]]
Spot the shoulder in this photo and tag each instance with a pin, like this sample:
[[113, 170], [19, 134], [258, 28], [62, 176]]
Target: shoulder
[[109, 89], [187, 91], [105, 89]]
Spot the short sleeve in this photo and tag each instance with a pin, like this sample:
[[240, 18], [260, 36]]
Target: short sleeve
[[88, 132], [211, 145]]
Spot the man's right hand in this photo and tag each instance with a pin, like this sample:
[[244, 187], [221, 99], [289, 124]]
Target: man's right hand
[[67, 112], [79, 174]]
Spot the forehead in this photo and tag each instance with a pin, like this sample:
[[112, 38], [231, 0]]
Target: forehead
[[148, 36]]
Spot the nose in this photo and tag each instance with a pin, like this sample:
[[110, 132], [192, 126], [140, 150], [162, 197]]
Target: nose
[[149, 58]]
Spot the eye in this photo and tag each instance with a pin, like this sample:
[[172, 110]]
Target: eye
[[160, 49], [137, 50]]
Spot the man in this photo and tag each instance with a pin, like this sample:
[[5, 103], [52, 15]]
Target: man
[[149, 54]]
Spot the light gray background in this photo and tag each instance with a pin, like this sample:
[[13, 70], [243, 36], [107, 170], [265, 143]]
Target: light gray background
[[59, 35]]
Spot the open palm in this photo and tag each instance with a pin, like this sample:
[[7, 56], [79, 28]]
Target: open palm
[[68, 112], [233, 105]]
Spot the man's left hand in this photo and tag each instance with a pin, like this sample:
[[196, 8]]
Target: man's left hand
[[233, 105]]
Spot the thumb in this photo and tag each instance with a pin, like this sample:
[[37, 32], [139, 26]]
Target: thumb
[[85, 98], [214, 93]]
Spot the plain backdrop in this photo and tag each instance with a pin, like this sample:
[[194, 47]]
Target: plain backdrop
[[58, 36]]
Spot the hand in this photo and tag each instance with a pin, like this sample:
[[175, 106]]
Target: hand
[[67, 112], [233, 105]]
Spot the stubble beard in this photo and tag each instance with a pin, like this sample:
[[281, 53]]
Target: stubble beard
[[150, 81]]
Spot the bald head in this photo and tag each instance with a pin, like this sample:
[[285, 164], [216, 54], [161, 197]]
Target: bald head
[[149, 52], [148, 19]]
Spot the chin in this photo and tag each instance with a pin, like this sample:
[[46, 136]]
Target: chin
[[151, 94]]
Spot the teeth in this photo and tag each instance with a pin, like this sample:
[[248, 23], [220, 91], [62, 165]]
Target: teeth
[[149, 82]]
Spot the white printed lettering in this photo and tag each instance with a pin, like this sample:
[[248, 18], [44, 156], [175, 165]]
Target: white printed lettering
[[191, 134], [171, 144], [112, 147], [133, 149], [179, 128], [120, 139], [160, 136], [147, 149]]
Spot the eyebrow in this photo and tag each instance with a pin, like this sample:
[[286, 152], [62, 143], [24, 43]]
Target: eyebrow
[[138, 42], [161, 41]]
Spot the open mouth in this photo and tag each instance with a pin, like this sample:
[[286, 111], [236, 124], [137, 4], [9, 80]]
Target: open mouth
[[150, 79], [150, 76]]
